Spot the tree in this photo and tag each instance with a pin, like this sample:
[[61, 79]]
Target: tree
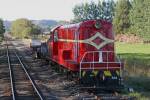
[[91, 11], [102, 10], [36, 30], [79, 12], [140, 18], [24, 28], [108, 10], [121, 19], [21, 28], [2, 28]]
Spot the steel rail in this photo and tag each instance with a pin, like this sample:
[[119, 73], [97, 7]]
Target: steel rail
[[10, 74], [28, 75], [31, 80]]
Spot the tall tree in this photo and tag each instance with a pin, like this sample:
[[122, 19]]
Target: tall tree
[[36, 30], [92, 11], [108, 9], [121, 19], [2, 28], [86, 11], [22, 28], [140, 18], [78, 13]]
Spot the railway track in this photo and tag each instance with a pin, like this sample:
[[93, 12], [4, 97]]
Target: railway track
[[23, 87], [64, 89], [4, 75], [53, 85]]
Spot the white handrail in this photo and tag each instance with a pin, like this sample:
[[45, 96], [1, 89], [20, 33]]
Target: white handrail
[[93, 60]]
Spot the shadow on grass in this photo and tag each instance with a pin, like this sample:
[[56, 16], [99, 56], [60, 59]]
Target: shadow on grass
[[137, 72], [139, 83], [140, 86], [135, 56], [136, 64]]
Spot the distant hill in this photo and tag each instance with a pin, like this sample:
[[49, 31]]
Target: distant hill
[[45, 24], [7, 25]]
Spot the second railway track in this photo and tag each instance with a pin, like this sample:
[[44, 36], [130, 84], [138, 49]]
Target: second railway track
[[23, 86]]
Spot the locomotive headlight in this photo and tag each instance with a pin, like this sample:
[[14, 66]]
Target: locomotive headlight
[[97, 25]]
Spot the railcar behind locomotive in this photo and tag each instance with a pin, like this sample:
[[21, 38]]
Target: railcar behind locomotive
[[86, 48]]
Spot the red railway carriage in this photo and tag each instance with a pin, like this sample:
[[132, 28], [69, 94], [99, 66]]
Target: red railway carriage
[[88, 48]]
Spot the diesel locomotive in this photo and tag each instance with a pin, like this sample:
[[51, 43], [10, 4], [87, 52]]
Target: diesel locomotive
[[85, 49]]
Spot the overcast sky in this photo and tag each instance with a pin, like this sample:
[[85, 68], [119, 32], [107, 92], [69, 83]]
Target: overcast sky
[[38, 9]]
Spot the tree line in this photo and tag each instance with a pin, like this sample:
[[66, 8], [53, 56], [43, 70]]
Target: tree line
[[127, 16], [2, 29], [21, 28]]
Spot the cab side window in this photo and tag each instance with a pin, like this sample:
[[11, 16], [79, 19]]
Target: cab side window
[[55, 36], [50, 38]]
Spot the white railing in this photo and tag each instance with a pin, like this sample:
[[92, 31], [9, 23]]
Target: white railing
[[100, 61]]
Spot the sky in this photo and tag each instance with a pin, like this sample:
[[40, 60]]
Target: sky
[[39, 9]]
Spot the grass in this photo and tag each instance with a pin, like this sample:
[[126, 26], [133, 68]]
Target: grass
[[133, 48], [136, 58]]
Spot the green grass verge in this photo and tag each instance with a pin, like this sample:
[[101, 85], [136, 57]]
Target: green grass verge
[[132, 48], [136, 58]]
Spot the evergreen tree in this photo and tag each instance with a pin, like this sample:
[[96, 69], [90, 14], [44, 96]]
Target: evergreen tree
[[92, 11], [2, 28], [108, 10], [36, 30], [140, 18], [99, 10], [121, 19], [87, 11]]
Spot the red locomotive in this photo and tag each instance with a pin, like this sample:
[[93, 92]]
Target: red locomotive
[[87, 50]]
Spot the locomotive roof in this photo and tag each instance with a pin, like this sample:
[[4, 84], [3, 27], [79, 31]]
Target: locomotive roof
[[55, 27], [76, 25], [71, 25]]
